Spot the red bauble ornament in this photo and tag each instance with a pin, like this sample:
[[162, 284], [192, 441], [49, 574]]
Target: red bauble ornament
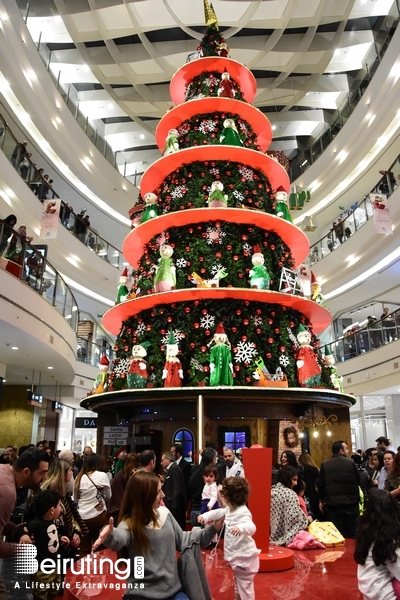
[[273, 313], [248, 379], [291, 324], [207, 332], [203, 348], [272, 246], [245, 322], [187, 249], [169, 319], [162, 331], [244, 338], [268, 355], [192, 345], [206, 369], [218, 255], [235, 257], [238, 312], [244, 237], [258, 330], [277, 331], [129, 331], [204, 311], [234, 329], [202, 271], [258, 311], [236, 368], [270, 340], [126, 348], [229, 247], [270, 321], [148, 327], [201, 258], [190, 230], [282, 349], [196, 325]]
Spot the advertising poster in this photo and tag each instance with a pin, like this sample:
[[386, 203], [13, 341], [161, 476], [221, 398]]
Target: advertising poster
[[381, 215], [50, 214], [289, 438]]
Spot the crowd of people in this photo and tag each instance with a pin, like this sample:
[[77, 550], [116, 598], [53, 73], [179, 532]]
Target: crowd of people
[[79, 504]]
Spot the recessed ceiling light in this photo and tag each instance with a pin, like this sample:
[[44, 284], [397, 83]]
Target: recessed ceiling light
[[14, 347], [50, 368]]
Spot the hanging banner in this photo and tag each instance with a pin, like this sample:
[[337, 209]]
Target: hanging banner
[[380, 208], [50, 214]]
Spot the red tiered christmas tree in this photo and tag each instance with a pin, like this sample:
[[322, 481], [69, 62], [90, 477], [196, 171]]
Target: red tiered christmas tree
[[206, 234]]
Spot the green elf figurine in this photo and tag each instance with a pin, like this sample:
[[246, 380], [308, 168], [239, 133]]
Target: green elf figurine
[[259, 277], [221, 367], [230, 135], [281, 205], [336, 379], [123, 291]]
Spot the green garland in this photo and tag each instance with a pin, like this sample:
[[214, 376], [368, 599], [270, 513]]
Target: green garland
[[232, 249], [270, 336], [206, 85], [188, 186], [206, 129]]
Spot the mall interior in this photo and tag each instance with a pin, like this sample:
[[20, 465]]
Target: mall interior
[[85, 84]]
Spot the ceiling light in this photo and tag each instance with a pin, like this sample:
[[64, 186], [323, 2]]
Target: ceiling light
[[273, 127], [14, 347], [141, 136], [50, 368]]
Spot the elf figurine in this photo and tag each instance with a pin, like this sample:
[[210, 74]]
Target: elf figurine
[[100, 383], [120, 455], [172, 142], [230, 135], [281, 205], [308, 369], [217, 198], [316, 291], [137, 372], [226, 89], [172, 373], [259, 277], [151, 209], [123, 291], [223, 50], [165, 276], [221, 367], [336, 379]]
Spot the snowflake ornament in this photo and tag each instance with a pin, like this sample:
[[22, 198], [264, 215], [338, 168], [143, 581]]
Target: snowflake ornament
[[178, 335], [284, 360], [196, 96], [238, 195], [214, 171], [122, 367], [247, 247], [216, 269], [215, 235], [181, 263], [196, 364], [243, 128], [211, 80], [162, 239], [208, 126], [207, 322], [246, 172], [141, 329], [257, 321], [184, 129], [246, 351], [178, 192], [292, 337]]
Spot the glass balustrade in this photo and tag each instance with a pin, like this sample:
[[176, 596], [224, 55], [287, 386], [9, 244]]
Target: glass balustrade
[[358, 341], [89, 352], [28, 264], [387, 184], [33, 177]]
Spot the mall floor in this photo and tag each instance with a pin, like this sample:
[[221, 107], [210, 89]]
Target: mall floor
[[317, 574]]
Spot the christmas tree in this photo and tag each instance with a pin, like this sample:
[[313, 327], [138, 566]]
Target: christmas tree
[[217, 257]]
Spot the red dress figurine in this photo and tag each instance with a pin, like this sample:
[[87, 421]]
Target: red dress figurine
[[172, 373], [226, 89], [308, 368]]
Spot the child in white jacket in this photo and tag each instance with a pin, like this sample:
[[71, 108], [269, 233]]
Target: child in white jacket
[[240, 550]]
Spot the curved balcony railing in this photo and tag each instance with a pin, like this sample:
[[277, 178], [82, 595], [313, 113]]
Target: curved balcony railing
[[28, 264], [362, 212], [90, 353], [382, 36], [41, 187], [358, 341]]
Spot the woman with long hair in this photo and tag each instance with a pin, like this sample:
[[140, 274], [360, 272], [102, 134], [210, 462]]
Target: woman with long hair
[[392, 482], [376, 463], [58, 477], [378, 547], [287, 518], [149, 530], [288, 459], [309, 472], [119, 483], [91, 491]]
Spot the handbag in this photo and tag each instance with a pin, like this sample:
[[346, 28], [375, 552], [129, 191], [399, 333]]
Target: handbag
[[326, 533], [100, 497]]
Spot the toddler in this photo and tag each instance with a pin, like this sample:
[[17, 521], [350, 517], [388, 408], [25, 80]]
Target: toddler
[[240, 550]]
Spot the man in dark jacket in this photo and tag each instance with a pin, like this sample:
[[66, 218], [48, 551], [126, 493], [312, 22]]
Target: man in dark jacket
[[338, 490], [174, 489], [196, 483]]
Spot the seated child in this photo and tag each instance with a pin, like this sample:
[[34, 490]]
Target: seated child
[[46, 532], [240, 550], [300, 489]]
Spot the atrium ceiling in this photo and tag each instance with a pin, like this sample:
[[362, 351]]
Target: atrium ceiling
[[116, 59]]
